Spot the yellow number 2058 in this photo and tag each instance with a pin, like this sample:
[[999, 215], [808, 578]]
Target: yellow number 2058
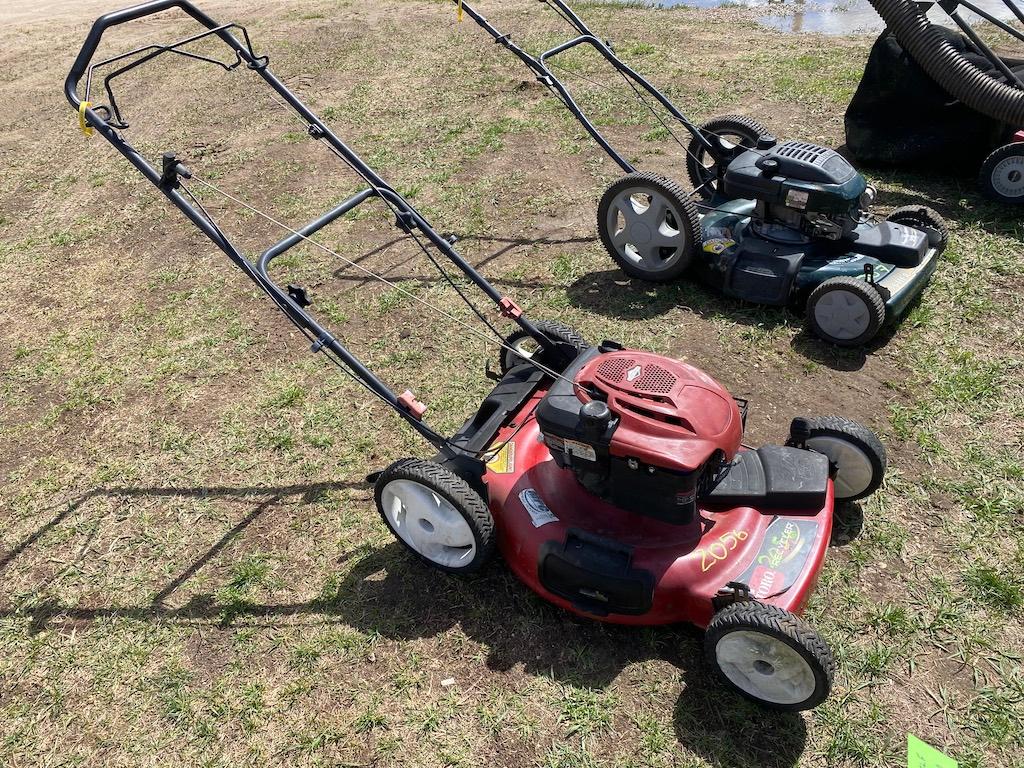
[[719, 550]]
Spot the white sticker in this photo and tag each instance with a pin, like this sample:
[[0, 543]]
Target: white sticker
[[580, 450], [554, 442], [539, 512], [796, 199]]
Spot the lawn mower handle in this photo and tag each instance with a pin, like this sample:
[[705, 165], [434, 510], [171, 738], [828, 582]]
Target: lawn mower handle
[[168, 182], [539, 66], [112, 19]]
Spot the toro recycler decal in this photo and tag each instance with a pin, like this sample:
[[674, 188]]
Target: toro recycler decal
[[784, 551]]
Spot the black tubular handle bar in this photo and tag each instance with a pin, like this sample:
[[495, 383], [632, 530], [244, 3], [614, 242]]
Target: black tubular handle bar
[[539, 66], [167, 180]]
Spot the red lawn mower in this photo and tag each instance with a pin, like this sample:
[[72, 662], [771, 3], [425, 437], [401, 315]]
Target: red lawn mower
[[613, 481]]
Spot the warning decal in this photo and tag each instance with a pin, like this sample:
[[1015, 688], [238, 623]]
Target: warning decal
[[504, 461]]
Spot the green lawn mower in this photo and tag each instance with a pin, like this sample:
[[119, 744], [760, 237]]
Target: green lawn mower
[[782, 223]]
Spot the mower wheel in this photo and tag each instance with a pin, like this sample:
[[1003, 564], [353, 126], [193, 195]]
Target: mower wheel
[[1002, 174], [925, 219], [770, 656], [702, 167], [857, 456], [521, 346], [436, 515], [845, 311], [650, 226]]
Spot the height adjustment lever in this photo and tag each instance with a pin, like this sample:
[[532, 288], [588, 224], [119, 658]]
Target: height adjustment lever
[[173, 171]]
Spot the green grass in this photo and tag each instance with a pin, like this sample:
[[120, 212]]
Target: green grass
[[193, 568]]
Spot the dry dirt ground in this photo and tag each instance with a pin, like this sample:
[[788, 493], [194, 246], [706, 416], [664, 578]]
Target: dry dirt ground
[[192, 567]]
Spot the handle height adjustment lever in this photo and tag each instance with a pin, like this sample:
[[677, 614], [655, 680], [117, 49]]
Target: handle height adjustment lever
[[173, 171]]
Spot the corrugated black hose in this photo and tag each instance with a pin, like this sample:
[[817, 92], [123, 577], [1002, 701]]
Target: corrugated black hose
[[947, 67]]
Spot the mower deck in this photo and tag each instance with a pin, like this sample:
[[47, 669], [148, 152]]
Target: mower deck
[[597, 560], [787, 274]]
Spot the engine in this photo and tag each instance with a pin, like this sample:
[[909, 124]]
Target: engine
[[642, 431], [800, 188]]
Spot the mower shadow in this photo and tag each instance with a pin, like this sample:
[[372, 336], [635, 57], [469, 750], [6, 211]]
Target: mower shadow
[[612, 294], [394, 271], [387, 592], [384, 593]]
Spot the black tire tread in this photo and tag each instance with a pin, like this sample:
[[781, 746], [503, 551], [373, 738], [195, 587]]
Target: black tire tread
[[459, 492], [985, 174], [690, 226], [563, 332], [874, 299], [750, 614], [553, 329], [714, 125], [922, 216], [840, 426]]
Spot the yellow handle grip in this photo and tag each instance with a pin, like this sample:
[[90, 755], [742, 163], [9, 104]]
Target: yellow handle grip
[[87, 129]]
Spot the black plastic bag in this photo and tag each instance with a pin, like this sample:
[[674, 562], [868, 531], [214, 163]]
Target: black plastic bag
[[899, 116]]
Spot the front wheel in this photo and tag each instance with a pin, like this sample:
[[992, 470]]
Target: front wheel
[[845, 311], [1002, 174], [925, 219], [770, 656], [436, 515], [650, 227], [856, 455]]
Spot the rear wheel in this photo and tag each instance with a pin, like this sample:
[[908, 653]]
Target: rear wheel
[[1002, 174], [857, 456], [650, 226], [845, 311], [770, 655], [521, 346], [701, 165], [925, 219], [436, 515]]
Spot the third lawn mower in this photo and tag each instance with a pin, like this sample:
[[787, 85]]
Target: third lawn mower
[[770, 222]]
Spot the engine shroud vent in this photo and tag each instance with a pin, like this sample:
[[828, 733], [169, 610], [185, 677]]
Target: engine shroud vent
[[805, 152], [614, 368], [655, 380]]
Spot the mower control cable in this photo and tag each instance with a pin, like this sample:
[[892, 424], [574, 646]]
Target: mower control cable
[[149, 52], [315, 343], [394, 211], [370, 273], [426, 251], [440, 439]]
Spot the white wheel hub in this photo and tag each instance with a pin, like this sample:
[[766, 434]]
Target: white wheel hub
[[428, 523], [842, 314], [854, 472], [1008, 176], [765, 667]]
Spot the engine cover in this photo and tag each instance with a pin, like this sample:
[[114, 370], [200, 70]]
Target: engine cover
[[799, 176], [671, 414], [646, 434]]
